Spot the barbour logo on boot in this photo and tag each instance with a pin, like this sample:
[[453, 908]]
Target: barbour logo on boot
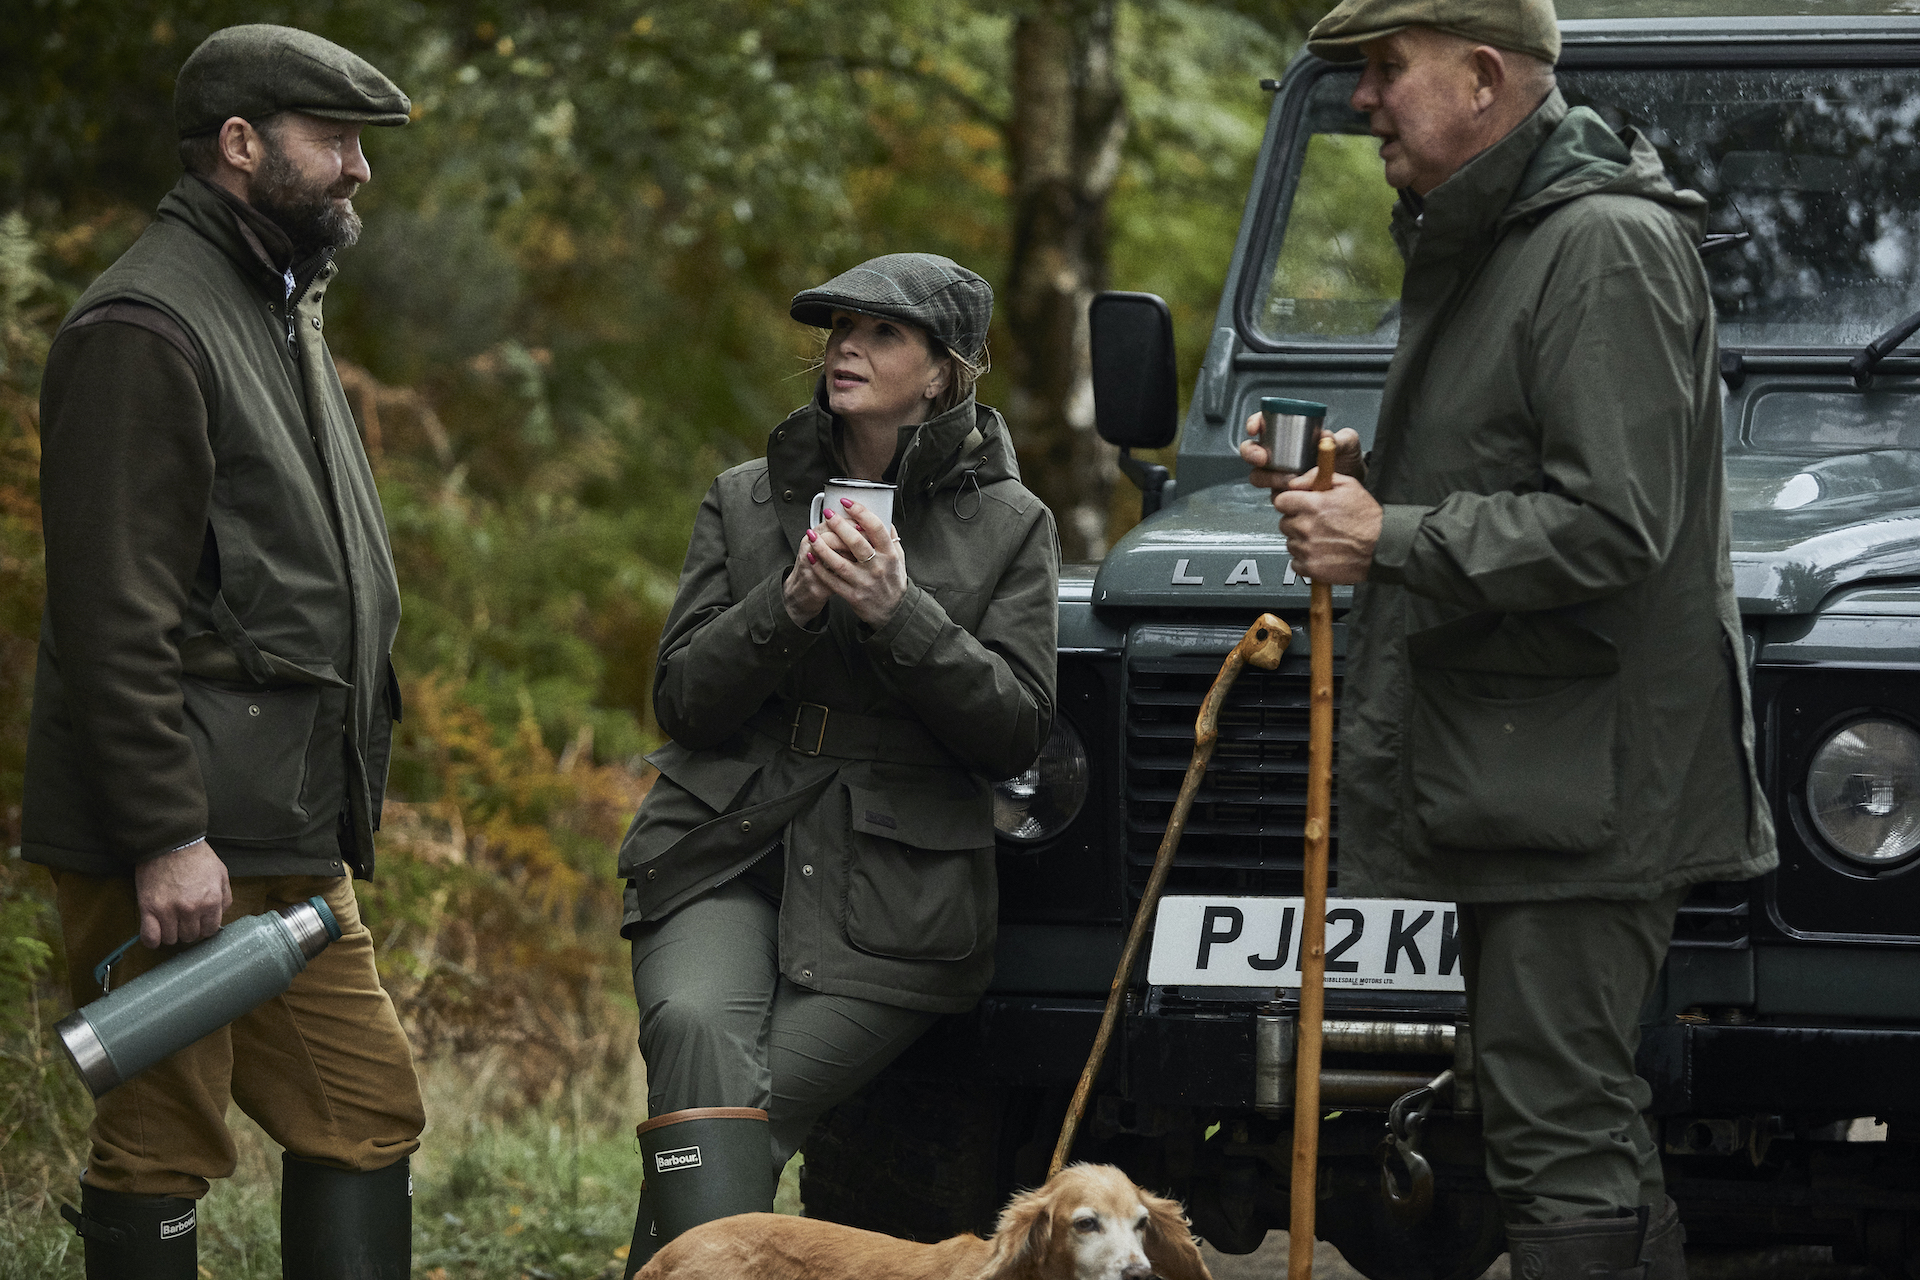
[[682, 1158], [177, 1226]]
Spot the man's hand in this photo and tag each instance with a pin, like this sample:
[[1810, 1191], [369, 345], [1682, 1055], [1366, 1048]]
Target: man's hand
[[1347, 458], [1330, 534], [182, 895]]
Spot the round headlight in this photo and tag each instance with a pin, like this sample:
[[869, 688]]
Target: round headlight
[[1863, 791], [1039, 804]]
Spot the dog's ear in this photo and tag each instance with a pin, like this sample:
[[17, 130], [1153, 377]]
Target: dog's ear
[[1023, 1236], [1169, 1245]]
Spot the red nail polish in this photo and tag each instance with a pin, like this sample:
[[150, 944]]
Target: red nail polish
[[826, 515], [812, 536], [810, 559], [847, 502]]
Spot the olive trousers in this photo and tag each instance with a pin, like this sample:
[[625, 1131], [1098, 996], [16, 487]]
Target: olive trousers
[[324, 1067], [720, 1026], [1554, 994]]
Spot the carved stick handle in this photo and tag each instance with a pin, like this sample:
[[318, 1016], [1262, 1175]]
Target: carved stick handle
[[1262, 646]]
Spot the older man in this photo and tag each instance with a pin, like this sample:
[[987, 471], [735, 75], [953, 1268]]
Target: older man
[[213, 700], [1546, 713]]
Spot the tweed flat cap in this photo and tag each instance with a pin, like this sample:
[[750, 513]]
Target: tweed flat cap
[[255, 70], [936, 293], [1523, 26]]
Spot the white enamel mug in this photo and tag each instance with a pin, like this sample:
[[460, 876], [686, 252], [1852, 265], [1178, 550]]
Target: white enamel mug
[[874, 496]]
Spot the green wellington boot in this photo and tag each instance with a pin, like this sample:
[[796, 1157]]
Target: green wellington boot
[[646, 1236], [337, 1225], [136, 1237], [1665, 1249], [698, 1165]]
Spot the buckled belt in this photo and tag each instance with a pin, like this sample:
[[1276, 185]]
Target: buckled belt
[[815, 729], [799, 730]]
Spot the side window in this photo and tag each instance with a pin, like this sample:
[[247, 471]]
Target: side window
[[1333, 274]]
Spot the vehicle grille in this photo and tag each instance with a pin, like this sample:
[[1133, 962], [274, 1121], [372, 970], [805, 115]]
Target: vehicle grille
[[1246, 830]]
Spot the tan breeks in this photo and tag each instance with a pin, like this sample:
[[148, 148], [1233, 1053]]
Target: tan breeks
[[325, 1068]]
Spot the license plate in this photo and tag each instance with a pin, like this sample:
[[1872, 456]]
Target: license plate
[[1390, 944]]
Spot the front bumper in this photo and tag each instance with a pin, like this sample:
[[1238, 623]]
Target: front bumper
[[1708, 1069], [1222, 1056]]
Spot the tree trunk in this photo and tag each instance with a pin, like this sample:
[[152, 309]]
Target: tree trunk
[[1069, 121]]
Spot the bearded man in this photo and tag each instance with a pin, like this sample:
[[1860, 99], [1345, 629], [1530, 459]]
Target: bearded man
[[214, 697], [1546, 715]]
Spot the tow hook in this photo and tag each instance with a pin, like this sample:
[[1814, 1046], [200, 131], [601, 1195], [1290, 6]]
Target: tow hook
[[1406, 1122]]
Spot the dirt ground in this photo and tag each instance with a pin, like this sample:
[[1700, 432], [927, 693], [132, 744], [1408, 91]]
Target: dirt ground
[[1269, 1262]]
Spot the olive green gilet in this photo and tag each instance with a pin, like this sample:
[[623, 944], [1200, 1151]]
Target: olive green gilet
[[296, 594]]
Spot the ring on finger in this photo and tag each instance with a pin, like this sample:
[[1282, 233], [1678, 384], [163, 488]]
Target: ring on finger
[[870, 555]]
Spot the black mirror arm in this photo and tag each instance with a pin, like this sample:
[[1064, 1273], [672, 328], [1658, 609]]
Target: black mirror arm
[[1149, 477]]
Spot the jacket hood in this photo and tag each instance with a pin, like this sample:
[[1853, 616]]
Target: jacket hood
[[1582, 156], [933, 455], [1555, 155]]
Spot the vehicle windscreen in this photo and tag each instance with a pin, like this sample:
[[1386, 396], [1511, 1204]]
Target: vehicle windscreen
[[1817, 167]]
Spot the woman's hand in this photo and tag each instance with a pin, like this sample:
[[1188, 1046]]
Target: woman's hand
[[806, 591], [1347, 458], [859, 560]]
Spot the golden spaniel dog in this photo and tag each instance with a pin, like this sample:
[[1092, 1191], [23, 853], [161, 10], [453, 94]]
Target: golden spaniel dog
[[1089, 1222]]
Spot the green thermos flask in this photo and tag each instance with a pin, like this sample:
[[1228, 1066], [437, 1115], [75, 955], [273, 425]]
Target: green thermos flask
[[198, 991]]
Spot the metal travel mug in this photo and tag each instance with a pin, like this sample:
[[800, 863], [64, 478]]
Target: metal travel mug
[[202, 989], [1290, 432]]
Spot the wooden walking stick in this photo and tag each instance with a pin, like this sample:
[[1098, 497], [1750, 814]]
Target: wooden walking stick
[[1313, 913], [1263, 644]]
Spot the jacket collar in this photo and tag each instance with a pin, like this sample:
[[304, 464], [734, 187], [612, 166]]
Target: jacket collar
[[968, 440], [254, 242]]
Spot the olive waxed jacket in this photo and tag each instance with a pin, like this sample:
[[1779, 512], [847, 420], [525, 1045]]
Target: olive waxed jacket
[[221, 598], [866, 754], [1545, 692]]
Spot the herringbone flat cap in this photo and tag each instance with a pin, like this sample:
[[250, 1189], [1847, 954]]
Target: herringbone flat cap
[[1523, 26], [936, 293], [255, 70]]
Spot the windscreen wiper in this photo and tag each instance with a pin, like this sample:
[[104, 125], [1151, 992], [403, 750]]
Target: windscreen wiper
[[1880, 348]]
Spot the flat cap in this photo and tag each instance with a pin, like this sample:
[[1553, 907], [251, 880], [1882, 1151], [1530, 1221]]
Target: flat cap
[[936, 293], [1523, 26], [255, 70]]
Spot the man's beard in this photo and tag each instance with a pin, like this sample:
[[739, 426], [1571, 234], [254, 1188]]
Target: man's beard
[[310, 214]]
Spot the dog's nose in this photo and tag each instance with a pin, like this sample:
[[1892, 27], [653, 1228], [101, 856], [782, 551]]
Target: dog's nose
[[1137, 1271]]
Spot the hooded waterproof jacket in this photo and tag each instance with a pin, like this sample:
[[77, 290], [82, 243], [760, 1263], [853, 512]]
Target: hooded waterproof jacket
[[1545, 692], [866, 754]]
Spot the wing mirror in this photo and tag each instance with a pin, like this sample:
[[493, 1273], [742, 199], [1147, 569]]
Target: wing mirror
[[1135, 384]]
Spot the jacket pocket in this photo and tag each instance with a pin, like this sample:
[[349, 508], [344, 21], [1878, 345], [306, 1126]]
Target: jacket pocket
[[1512, 734], [254, 747], [920, 873]]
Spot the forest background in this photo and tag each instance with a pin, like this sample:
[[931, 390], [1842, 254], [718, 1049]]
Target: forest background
[[567, 313]]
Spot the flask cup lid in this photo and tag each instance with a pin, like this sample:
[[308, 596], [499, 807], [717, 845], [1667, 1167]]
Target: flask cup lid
[[1297, 408], [327, 921]]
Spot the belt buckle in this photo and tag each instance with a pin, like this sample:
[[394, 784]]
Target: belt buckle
[[820, 739]]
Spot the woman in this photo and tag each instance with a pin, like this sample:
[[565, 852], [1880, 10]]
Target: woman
[[810, 882]]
